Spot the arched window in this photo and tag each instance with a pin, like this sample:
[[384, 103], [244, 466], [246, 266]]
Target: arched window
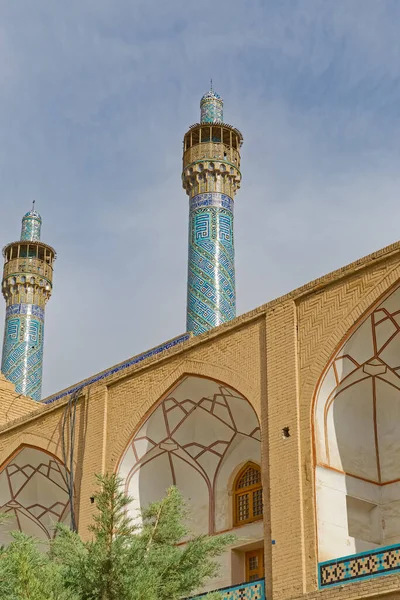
[[247, 492]]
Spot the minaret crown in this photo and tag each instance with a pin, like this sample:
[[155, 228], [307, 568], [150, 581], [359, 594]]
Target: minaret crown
[[211, 108], [31, 226]]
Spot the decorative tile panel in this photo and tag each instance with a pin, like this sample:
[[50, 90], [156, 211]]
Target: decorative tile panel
[[212, 199], [22, 360], [211, 272], [357, 567], [254, 590], [25, 309]]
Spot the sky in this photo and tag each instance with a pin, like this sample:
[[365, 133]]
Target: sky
[[95, 97]]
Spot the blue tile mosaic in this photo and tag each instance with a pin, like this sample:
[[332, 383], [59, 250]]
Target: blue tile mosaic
[[22, 360], [254, 590], [212, 199], [25, 309], [31, 225], [211, 108], [132, 361], [211, 298], [357, 567]]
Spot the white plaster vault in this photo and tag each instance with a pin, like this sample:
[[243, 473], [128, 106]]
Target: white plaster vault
[[33, 491], [357, 438], [197, 438]]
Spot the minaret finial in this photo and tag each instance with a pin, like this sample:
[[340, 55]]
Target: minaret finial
[[211, 85], [33, 204]]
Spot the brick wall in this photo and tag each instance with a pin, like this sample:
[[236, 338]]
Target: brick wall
[[274, 356], [13, 405]]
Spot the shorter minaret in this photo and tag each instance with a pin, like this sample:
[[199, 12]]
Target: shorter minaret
[[27, 285], [211, 176]]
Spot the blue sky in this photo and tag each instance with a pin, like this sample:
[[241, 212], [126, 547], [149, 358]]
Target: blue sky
[[95, 97]]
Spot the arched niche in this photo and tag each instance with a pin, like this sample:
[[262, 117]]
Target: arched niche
[[194, 438], [357, 437], [34, 493]]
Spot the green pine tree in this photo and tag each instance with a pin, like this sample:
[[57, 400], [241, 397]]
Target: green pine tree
[[27, 573], [121, 562]]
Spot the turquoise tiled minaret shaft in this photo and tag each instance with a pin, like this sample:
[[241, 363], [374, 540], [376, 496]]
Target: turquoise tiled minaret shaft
[[211, 176], [27, 285]]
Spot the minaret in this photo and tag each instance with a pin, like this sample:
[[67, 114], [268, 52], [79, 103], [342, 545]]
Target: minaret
[[211, 176], [27, 284]]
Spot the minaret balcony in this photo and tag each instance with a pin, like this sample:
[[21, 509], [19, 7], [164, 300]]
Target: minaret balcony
[[20, 266], [211, 150]]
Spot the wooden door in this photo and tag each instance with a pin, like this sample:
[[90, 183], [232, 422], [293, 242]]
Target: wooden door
[[255, 564]]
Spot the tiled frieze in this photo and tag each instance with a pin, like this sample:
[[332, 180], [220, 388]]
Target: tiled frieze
[[132, 361], [254, 590], [357, 567]]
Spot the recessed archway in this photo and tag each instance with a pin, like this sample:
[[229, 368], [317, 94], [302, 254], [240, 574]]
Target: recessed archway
[[194, 438], [357, 437], [34, 492]]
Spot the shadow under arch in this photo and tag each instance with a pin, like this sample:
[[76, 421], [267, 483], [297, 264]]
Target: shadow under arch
[[33, 490], [193, 437], [356, 433]]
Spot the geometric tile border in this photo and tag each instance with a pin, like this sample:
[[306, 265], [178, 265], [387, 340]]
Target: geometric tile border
[[132, 361], [358, 567], [245, 591]]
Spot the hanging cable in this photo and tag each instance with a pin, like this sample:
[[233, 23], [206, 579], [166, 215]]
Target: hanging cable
[[69, 418]]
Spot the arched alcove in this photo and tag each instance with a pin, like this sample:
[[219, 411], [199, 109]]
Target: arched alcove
[[357, 437], [194, 438], [33, 491]]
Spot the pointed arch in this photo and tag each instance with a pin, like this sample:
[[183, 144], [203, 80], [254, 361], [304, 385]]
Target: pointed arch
[[247, 493], [191, 438], [365, 365], [239, 381], [34, 492], [356, 429]]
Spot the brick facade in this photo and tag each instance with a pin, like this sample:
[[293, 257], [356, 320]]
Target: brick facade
[[274, 356]]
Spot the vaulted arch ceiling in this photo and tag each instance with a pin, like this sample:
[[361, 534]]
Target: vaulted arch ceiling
[[187, 440], [34, 492], [357, 409]]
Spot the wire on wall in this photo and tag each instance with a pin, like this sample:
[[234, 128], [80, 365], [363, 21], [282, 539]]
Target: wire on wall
[[68, 431]]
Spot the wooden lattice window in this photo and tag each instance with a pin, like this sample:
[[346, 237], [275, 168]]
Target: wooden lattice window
[[247, 492]]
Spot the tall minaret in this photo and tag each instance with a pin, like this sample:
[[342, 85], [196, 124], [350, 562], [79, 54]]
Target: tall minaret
[[211, 175], [27, 284]]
